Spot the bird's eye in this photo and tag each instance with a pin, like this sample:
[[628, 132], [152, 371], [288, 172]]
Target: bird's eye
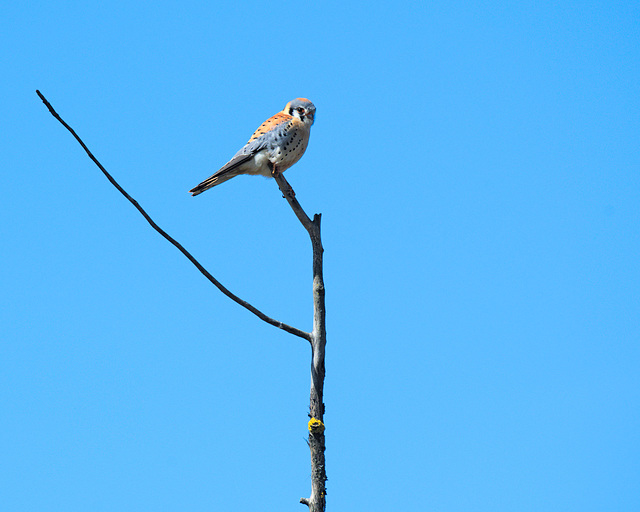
[[300, 109]]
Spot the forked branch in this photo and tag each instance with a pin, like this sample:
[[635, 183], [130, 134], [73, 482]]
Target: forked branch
[[317, 338]]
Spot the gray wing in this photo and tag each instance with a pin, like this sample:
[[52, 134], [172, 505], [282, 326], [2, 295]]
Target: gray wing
[[230, 169]]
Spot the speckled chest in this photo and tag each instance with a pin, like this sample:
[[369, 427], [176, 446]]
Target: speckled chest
[[287, 144], [284, 137]]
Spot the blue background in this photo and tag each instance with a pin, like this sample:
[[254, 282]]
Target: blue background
[[477, 168]]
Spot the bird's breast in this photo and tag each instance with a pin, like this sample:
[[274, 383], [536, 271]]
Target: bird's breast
[[287, 149]]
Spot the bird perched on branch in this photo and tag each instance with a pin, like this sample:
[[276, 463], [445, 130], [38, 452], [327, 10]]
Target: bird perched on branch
[[275, 146]]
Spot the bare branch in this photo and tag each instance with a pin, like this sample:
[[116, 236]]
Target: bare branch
[[317, 338], [317, 501], [290, 196], [292, 330]]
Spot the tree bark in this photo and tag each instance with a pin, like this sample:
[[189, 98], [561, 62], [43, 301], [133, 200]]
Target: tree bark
[[317, 501]]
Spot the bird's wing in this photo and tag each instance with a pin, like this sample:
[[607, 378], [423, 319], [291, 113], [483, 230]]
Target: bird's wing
[[274, 121], [228, 171], [258, 141]]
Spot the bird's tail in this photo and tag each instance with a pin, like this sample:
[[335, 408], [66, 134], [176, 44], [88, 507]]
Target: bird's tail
[[212, 181], [230, 170]]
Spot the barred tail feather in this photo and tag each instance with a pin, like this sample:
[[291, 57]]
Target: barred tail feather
[[212, 181], [228, 171]]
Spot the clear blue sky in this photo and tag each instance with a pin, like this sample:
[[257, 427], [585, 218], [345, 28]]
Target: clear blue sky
[[478, 171]]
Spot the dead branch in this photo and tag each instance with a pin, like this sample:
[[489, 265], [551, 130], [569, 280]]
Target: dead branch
[[317, 338], [292, 330]]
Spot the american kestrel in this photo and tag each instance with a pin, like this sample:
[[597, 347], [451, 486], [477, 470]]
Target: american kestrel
[[277, 144]]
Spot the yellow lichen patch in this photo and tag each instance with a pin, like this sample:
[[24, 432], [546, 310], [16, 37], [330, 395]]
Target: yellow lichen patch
[[316, 426]]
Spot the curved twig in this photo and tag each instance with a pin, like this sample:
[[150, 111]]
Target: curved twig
[[292, 330]]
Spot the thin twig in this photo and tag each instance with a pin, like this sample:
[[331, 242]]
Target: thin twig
[[292, 330]]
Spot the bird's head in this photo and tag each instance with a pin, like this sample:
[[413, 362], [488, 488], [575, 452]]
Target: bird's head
[[303, 109]]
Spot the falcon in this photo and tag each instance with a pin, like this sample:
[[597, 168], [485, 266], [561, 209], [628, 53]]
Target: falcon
[[275, 146]]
